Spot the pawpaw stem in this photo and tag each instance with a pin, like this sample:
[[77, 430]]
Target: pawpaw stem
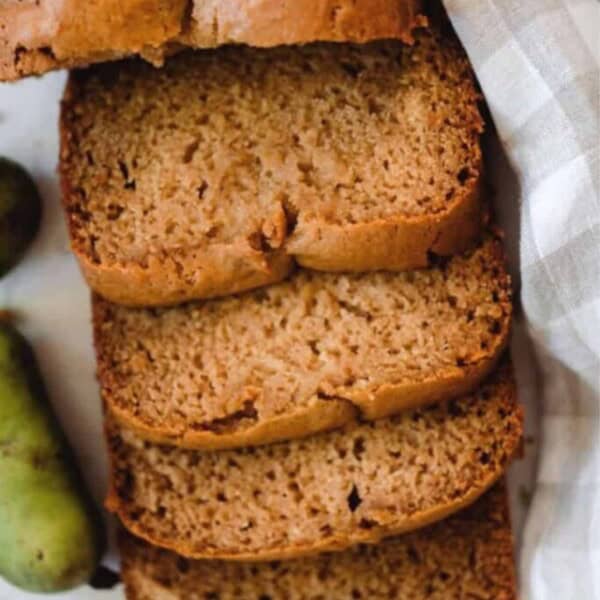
[[7, 316]]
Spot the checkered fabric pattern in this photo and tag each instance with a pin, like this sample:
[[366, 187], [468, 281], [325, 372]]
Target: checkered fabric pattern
[[538, 64]]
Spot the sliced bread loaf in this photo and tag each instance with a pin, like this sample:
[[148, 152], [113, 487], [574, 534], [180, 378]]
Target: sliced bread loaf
[[40, 35], [326, 492], [211, 175], [305, 355], [469, 555]]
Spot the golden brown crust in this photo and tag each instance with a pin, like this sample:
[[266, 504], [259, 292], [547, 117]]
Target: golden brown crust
[[470, 552], [214, 271], [387, 522], [216, 22], [397, 243], [36, 37], [321, 416]]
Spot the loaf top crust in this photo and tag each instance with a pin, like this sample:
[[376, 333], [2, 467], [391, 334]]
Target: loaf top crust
[[37, 36]]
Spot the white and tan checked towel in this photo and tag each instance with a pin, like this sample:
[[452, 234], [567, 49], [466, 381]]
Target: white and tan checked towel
[[537, 63]]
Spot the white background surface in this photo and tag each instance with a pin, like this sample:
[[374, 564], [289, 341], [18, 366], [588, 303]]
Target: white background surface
[[537, 63], [48, 293]]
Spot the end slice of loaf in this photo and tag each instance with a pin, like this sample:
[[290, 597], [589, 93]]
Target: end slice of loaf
[[216, 173], [327, 492], [469, 555], [37, 36], [306, 355]]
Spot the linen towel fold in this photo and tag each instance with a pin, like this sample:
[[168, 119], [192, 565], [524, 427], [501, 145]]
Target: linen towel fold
[[538, 65]]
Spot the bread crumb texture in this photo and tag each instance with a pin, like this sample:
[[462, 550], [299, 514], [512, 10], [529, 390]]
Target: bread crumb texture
[[347, 157], [308, 354], [468, 555], [325, 492]]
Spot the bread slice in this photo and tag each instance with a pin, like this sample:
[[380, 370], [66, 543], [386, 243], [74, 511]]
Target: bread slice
[[469, 555], [37, 36], [305, 355], [211, 175], [327, 492]]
